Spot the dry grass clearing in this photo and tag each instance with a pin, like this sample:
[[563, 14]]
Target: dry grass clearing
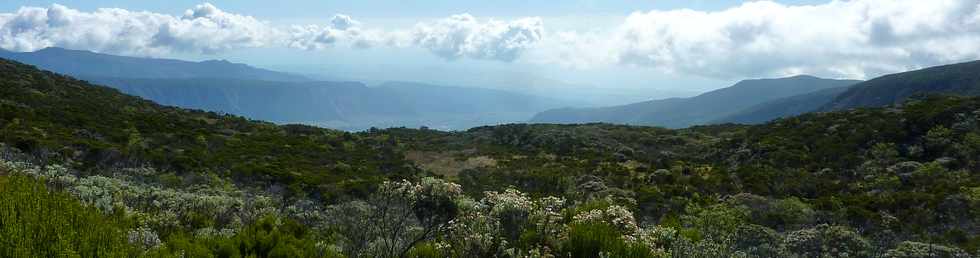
[[446, 163]]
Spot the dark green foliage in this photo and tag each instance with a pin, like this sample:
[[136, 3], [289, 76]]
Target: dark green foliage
[[35, 222], [589, 239], [426, 251], [69, 121], [268, 237]]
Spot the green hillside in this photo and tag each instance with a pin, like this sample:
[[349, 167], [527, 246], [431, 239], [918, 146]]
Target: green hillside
[[954, 79], [894, 182]]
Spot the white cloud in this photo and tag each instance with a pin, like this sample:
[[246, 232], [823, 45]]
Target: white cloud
[[463, 36], [207, 29], [856, 39], [203, 29], [343, 22]]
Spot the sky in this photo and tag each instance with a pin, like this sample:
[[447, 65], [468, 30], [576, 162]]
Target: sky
[[607, 50]]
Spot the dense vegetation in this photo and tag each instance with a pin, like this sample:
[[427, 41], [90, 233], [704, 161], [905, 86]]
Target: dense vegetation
[[63, 120], [37, 223], [893, 182]]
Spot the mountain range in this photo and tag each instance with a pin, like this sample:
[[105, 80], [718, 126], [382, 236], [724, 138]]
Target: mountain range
[[80, 63], [701, 109], [240, 89], [234, 88], [892, 89], [759, 101]]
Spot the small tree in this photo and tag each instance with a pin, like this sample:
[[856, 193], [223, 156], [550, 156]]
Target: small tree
[[399, 216]]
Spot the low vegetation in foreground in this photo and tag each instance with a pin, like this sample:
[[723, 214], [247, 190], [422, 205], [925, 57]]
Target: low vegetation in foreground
[[168, 182]]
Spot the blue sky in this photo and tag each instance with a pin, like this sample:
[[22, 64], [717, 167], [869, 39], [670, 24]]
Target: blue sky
[[612, 50]]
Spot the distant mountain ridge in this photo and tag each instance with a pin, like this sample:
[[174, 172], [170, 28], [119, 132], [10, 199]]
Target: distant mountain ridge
[[701, 109], [82, 63], [893, 89], [955, 79], [343, 105], [281, 102], [240, 89], [783, 107]]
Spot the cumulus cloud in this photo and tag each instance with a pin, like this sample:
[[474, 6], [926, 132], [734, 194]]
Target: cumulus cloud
[[203, 29], [342, 28], [207, 29], [463, 36], [343, 22], [855, 39]]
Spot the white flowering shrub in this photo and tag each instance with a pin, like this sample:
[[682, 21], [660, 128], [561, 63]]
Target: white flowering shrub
[[909, 249], [473, 234], [617, 216], [143, 237], [549, 223], [511, 209], [399, 216], [827, 241]]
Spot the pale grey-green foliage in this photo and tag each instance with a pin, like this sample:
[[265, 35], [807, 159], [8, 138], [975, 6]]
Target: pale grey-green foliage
[[910, 249], [827, 241], [397, 217], [155, 205]]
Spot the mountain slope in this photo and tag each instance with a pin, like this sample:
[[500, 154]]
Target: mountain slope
[[279, 97], [784, 107], [341, 105], [71, 121], [704, 108], [87, 63], [281, 102], [957, 79]]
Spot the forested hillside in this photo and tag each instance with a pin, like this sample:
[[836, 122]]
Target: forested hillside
[[170, 182], [953, 79]]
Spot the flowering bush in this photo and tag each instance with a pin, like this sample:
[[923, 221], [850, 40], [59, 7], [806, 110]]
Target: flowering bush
[[616, 216], [143, 237], [827, 241], [910, 249]]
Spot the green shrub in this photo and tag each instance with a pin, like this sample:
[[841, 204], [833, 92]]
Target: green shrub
[[591, 239], [35, 222]]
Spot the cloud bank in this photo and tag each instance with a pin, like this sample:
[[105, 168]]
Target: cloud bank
[[463, 35], [206, 29], [203, 29], [853, 39]]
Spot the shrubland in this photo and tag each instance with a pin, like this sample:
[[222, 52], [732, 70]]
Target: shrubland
[[167, 182]]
